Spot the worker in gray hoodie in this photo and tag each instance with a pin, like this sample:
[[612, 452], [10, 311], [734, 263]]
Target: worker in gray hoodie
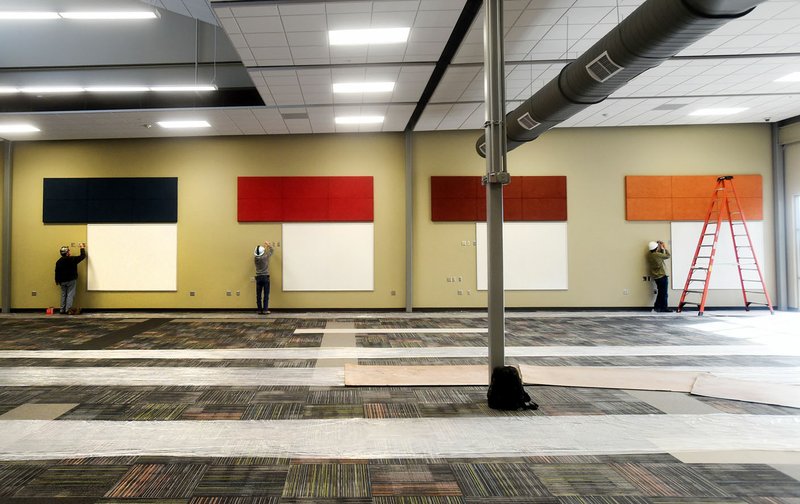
[[262, 254]]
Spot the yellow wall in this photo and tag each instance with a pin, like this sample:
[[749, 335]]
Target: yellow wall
[[214, 250], [606, 253]]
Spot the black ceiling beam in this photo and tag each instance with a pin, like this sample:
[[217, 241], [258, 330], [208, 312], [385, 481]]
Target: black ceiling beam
[[465, 20]]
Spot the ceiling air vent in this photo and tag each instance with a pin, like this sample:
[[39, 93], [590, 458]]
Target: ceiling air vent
[[602, 68], [295, 115], [670, 106], [527, 122]]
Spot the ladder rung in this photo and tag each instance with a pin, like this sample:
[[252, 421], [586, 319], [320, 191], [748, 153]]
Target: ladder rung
[[689, 291]]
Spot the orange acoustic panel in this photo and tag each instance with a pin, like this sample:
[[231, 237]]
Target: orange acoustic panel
[[688, 197]]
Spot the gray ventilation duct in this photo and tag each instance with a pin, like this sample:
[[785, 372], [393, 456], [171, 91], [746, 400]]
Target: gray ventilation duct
[[656, 31]]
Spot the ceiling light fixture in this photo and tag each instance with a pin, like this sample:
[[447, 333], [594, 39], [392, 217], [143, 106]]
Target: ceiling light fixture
[[51, 89], [723, 111], [359, 119], [792, 77], [363, 87], [19, 16], [368, 36], [112, 15], [8, 90], [18, 128], [184, 124], [171, 89], [117, 89]]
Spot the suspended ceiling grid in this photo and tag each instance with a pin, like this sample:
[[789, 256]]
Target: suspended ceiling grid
[[280, 48]]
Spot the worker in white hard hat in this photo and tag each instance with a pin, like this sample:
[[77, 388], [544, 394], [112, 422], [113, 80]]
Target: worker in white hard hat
[[657, 253], [262, 254]]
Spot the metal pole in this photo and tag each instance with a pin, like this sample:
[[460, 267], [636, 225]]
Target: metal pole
[[6, 284], [496, 174], [409, 224], [779, 198]]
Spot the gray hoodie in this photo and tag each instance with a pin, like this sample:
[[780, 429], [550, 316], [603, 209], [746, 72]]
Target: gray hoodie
[[262, 262]]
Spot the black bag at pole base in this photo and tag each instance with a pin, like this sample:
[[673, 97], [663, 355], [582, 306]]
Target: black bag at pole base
[[506, 391]]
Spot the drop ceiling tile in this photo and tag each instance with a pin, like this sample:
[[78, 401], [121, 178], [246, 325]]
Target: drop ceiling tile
[[301, 9], [272, 54], [396, 6], [315, 38], [304, 23], [230, 26], [348, 21], [308, 52], [393, 19], [254, 10], [266, 40], [437, 18], [260, 24]]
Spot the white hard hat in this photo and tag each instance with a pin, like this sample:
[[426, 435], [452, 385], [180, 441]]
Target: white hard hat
[[652, 245], [259, 251]]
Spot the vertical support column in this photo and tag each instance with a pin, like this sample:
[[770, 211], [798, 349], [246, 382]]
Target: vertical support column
[[7, 170], [496, 174], [779, 198], [409, 223]]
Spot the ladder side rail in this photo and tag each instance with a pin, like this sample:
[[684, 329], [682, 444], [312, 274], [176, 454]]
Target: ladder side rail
[[702, 307], [693, 266], [736, 255]]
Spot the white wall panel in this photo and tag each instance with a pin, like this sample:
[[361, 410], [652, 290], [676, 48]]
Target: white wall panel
[[132, 257], [534, 255], [725, 274], [336, 256]]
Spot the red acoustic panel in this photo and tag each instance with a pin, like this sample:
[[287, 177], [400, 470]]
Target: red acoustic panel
[[305, 199], [463, 199]]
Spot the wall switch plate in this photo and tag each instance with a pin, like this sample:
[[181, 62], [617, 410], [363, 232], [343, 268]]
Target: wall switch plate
[[625, 292], [34, 293], [460, 292], [238, 293], [192, 293], [228, 293], [393, 293]]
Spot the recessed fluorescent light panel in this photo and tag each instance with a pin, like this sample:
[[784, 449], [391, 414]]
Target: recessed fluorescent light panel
[[8, 90], [359, 120], [718, 111], [184, 124], [368, 36], [174, 89], [18, 15], [117, 89], [18, 128], [110, 15], [792, 77], [363, 87], [52, 89]]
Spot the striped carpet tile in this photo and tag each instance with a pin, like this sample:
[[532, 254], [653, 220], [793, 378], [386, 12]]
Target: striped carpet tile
[[583, 479], [234, 500], [273, 411], [327, 481], [227, 396], [498, 480], [412, 480], [418, 500], [158, 481], [750, 480], [242, 480], [333, 411], [669, 480], [213, 412], [388, 410], [73, 481], [13, 477], [160, 411]]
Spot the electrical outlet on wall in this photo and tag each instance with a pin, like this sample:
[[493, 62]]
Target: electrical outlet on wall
[[192, 293], [34, 293]]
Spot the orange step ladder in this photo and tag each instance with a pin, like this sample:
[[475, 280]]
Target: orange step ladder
[[725, 204]]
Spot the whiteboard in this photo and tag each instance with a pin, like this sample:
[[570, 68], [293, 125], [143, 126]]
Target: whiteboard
[[334, 256], [725, 274], [132, 257], [534, 256]]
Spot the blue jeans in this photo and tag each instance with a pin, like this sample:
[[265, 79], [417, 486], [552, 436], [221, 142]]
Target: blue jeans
[[662, 284], [67, 294], [262, 287]]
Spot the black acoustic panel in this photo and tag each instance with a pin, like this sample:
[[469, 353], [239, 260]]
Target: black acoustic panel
[[110, 200]]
